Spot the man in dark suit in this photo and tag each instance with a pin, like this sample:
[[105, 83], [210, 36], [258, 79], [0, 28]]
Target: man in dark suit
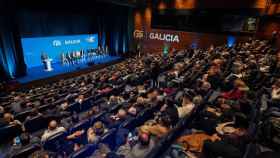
[[44, 56]]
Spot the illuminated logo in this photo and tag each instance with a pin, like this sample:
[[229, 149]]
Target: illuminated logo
[[138, 34], [90, 39], [57, 43], [164, 37]]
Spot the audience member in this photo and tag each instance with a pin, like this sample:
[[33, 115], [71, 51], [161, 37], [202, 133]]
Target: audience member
[[158, 97], [94, 133], [53, 129], [143, 146]]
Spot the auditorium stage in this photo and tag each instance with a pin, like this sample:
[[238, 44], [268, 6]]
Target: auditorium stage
[[38, 73]]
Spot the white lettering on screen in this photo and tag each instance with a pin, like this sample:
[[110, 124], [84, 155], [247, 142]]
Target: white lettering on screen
[[68, 42]]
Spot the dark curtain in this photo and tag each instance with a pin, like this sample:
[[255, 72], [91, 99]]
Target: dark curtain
[[116, 29], [11, 56], [55, 23], [114, 25]]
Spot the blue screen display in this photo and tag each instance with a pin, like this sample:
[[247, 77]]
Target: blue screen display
[[231, 41], [54, 46]]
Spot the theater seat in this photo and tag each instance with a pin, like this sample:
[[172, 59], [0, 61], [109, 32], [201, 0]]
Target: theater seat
[[87, 104], [143, 116], [99, 101], [81, 125], [9, 132], [55, 142], [44, 107], [109, 138], [84, 152], [115, 108], [97, 117], [98, 96], [22, 115], [252, 129], [36, 124], [75, 107], [28, 150], [59, 101], [251, 151], [129, 124]]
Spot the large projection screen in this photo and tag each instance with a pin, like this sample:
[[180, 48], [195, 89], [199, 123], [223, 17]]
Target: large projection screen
[[54, 46]]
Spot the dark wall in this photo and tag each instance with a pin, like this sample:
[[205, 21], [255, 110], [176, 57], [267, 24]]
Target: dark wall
[[267, 26], [143, 22]]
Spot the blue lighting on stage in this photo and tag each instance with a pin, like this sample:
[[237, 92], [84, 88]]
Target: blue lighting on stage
[[124, 46], [68, 54], [231, 41], [37, 73], [10, 58], [54, 46], [194, 45]]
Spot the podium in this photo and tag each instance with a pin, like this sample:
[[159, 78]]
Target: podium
[[48, 65]]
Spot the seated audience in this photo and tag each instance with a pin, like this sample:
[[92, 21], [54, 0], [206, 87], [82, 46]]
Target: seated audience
[[115, 99], [143, 147], [115, 120], [8, 119], [95, 132], [42, 154], [155, 99], [53, 129], [34, 113], [16, 106], [187, 105]]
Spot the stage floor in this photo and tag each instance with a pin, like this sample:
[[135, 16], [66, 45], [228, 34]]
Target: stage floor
[[38, 73]]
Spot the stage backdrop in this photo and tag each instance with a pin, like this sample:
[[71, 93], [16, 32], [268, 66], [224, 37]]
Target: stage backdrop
[[113, 24], [54, 46]]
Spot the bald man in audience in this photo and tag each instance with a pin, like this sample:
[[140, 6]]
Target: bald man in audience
[[53, 129]]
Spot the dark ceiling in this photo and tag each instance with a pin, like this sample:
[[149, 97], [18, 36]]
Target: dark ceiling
[[12, 5]]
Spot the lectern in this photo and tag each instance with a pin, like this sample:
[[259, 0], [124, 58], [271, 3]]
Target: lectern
[[48, 64]]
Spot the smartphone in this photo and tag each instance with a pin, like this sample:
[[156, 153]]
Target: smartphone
[[17, 141]]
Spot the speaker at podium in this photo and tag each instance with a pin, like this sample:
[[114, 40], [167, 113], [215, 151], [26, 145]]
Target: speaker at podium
[[48, 64]]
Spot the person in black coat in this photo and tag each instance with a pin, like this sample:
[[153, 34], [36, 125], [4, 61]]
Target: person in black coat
[[169, 109], [155, 70]]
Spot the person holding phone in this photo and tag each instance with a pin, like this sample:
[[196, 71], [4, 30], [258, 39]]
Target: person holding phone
[[19, 143]]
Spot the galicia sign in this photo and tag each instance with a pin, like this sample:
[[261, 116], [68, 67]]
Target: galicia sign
[[167, 37], [164, 37]]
